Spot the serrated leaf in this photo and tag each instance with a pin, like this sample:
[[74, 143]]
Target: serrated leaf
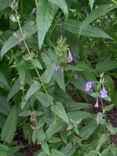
[[44, 18], [79, 115], [59, 110], [112, 130], [4, 106], [45, 147], [55, 127], [102, 140], [47, 75], [14, 89], [9, 128], [108, 108], [61, 4], [95, 14], [41, 154], [3, 150], [100, 118], [69, 149], [43, 98], [88, 130], [32, 90], [106, 65], [57, 153], [59, 78], [73, 26], [36, 63], [28, 30], [3, 82]]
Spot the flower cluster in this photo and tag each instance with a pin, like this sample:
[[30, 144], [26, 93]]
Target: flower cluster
[[69, 59], [103, 91]]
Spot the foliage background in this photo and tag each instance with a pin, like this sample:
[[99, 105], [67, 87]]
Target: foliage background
[[47, 112]]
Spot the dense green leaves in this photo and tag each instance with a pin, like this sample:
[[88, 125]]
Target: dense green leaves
[[58, 77], [95, 14]]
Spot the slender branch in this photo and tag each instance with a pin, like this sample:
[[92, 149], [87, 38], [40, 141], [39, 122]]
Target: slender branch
[[27, 48]]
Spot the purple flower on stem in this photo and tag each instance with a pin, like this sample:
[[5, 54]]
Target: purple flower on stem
[[69, 57], [88, 85], [34, 10], [103, 92], [97, 104], [56, 67]]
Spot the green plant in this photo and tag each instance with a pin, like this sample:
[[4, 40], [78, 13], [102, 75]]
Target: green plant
[[57, 58]]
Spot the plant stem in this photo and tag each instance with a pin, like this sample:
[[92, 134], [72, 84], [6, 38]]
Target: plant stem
[[25, 44]]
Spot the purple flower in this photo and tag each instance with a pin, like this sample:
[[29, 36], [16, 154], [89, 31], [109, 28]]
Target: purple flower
[[110, 5], [34, 10], [88, 85], [69, 57], [97, 104], [56, 67], [103, 92]]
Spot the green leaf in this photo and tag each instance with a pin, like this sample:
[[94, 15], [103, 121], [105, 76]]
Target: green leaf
[[59, 110], [113, 149], [4, 4], [36, 63], [44, 18], [14, 89], [43, 98], [61, 4], [25, 113], [105, 152], [88, 130], [47, 75], [112, 130], [59, 78], [28, 30], [102, 140], [56, 153], [79, 115], [91, 3], [41, 135], [69, 149], [106, 65], [95, 14], [45, 147], [108, 108], [41, 154], [32, 90], [100, 118], [73, 26], [4, 106], [9, 128], [3, 82], [3, 150], [54, 127]]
